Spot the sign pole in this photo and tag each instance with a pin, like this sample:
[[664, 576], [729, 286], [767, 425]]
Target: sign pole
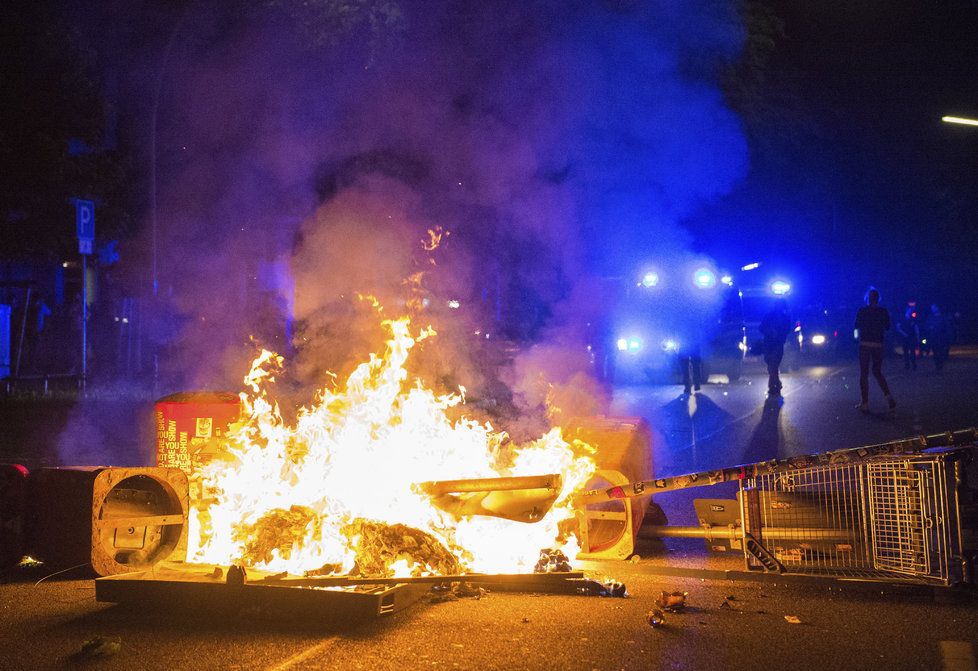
[[84, 320], [85, 226]]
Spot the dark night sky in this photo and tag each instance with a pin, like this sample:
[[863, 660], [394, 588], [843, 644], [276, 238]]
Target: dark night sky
[[867, 185]]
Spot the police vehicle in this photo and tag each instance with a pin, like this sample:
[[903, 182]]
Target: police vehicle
[[661, 316]]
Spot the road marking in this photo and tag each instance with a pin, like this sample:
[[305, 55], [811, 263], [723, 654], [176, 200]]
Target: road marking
[[304, 655], [957, 656]]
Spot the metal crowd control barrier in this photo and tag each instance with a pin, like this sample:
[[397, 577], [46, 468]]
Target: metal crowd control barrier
[[898, 511]]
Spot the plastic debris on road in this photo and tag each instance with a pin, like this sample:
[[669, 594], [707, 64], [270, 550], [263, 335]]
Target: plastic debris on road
[[607, 587], [456, 591], [672, 601], [100, 646], [656, 618]]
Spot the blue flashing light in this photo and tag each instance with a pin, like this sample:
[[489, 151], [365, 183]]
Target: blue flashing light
[[670, 345], [780, 287], [650, 279], [629, 344], [750, 266], [704, 278], [727, 279]]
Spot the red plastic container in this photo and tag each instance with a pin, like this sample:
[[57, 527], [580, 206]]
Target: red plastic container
[[191, 426]]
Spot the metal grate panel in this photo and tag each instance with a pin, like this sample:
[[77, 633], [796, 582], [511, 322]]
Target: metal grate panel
[[908, 504], [891, 517], [813, 519]]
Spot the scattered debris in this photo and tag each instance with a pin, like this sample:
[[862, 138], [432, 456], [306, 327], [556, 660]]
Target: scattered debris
[[613, 588], [468, 590], [456, 591], [672, 601], [441, 594], [656, 618], [552, 561], [217, 573], [792, 619], [29, 562], [635, 559], [607, 587], [525, 620], [100, 646]]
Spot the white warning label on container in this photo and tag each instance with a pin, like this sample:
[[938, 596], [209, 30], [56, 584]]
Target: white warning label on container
[[205, 427]]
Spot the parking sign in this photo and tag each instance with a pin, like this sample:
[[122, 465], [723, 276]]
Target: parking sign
[[85, 224]]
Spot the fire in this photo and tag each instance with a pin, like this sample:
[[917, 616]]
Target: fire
[[434, 238], [338, 491]]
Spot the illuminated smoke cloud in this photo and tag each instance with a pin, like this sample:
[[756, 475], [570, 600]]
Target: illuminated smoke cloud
[[557, 142]]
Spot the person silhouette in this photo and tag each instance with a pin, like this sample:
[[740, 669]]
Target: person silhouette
[[690, 367], [775, 327], [909, 330], [872, 320]]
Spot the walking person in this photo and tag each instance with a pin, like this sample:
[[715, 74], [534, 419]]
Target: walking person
[[909, 331], [775, 327], [690, 367], [872, 321]]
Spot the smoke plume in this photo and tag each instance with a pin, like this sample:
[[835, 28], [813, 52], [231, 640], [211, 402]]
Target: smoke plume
[[302, 162]]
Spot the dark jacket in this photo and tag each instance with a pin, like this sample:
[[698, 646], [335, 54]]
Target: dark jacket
[[775, 327], [872, 321]]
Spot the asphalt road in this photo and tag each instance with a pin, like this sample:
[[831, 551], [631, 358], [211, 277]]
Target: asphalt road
[[727, 624]]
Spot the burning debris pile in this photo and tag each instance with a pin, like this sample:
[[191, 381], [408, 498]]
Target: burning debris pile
[[379, 546], [277, 531], [342, 490], [383, 546]]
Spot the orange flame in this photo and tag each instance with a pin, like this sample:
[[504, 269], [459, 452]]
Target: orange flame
[[303, 497], [434, 238]]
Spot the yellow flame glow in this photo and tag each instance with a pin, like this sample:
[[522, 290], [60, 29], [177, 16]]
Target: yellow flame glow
[[357, 453], [434, 238]]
